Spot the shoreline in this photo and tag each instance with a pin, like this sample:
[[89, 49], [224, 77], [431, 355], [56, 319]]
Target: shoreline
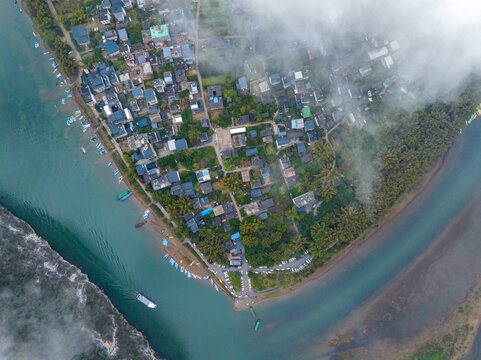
[[402, 204], [176, 246]]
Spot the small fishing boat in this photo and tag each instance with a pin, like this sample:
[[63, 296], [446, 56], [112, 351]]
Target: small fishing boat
[[145, 301], [115, 172], [83, 150], [109, 164], [256, 326], [102, 152], [125, 195], [46, 52], [37, 45]]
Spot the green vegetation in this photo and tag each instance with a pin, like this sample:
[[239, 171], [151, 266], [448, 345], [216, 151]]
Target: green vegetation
[[261, 282], [241, 105], [120, 64], [211, 244], [134, 27], [190, 159], [45, 21], [156, 210], [235, 278]]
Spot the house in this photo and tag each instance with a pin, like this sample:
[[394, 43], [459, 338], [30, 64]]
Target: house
[[123, 35], [202, 175], [87, 95], [150, 97], [105, 4], [110, 35], [301, 149], [204, 138], [267, 204], [204, 123], [188, 54], [167, 54], [173, 177], [104, 16], [274, 79], [177, 145], [215, 97], [168, 78], [243, 119], [252, 208], [309, 125], [147, 70], [297, 124], [146, 151], [111, 48], [159, 85], [118, 11], [263, 86], [377, 53], [142, 122], [251, 151], [282, 141], [137, 93], [80, 35], [159, 33], [256, 193], [206, 187], [304, 202], [242, 85]]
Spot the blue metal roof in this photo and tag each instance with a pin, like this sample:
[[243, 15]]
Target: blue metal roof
[[123, 34], [256, 193], [111, 47], [137, 92], [251, 151], [301, 148], [309, 125], [143, 122], [253, 133], [140, 169], [173, 177], [80, 34], [150, 95], [242, 83]]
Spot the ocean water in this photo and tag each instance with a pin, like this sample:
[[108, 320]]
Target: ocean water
[[69, 199]]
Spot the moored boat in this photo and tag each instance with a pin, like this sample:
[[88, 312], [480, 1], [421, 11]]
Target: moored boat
[[142, 223], [256, 327], [125, 195]]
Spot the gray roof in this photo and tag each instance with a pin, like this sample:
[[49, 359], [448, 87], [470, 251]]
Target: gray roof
[[123, 34], [304, 199], [149, 95]]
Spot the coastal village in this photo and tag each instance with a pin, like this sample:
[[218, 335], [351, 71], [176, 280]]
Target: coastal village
[[238, 167]]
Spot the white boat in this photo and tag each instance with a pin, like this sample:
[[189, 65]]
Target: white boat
[[83, 150], [145, 301]]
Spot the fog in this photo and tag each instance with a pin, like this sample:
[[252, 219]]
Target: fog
[[438, 38]]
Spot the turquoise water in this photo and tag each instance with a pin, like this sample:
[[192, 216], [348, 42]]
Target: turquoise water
[[69, 199]]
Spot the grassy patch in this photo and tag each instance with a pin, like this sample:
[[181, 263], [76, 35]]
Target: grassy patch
[[235, 278], [261, 282]]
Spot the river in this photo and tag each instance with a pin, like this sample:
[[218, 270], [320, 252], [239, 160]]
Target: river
[[68, 197]]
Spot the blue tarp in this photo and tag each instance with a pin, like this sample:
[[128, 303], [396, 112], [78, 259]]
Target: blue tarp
[[206, 211], [235, 236], [165, 242]]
